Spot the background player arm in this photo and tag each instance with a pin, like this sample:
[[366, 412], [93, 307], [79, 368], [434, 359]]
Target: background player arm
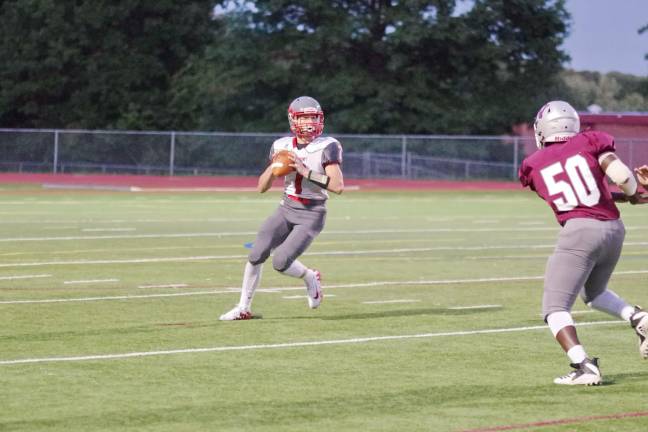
[[621, 175]]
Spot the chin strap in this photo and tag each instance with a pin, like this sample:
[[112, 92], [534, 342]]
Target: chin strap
[[320, 180]]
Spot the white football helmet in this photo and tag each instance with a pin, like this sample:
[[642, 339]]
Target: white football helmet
[[306, 105], [556, 121]]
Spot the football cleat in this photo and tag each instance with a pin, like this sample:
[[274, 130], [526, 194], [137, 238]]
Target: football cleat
[[314, 288], [586, 372], [236, 314], [639, 322]]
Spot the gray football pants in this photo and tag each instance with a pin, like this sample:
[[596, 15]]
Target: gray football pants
[[289, 231], [583, 261]]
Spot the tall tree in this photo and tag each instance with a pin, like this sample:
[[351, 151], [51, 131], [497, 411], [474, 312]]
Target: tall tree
[[95, 63], [382, 66]]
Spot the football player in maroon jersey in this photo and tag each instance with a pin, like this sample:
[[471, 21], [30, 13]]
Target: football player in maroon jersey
[[569, 172]]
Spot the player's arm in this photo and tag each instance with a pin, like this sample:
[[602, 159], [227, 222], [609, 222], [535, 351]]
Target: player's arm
[[336, 179], [265, 180], [621, 175]]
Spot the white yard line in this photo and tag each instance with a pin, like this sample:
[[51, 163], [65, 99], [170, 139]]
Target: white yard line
[[25, 277], [391, 301], [230, 290], [289, 344], [295, 297], [89, 281], [107, 229], [487, 306], [177, 285]]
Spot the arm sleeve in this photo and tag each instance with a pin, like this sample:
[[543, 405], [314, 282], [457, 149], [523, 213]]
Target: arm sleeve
[[332, 154], [523, 175], [601, 142]]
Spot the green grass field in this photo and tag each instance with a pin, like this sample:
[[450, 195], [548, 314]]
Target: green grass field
[[430, 322]]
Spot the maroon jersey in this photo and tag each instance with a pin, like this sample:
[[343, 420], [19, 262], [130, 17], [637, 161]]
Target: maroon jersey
[[569, 178]]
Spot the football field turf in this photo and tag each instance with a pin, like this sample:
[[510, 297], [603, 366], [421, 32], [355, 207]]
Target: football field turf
[[430, 321]]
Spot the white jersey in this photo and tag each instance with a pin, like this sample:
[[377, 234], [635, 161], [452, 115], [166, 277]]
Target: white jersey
[[316, 155]]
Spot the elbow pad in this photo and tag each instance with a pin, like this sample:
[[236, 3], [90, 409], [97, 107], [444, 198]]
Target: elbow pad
[[621, 175]]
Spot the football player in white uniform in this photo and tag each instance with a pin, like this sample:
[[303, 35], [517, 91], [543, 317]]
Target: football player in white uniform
[[300, 216]]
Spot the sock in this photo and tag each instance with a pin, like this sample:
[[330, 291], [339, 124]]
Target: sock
[[577, 354], [251, 280], [296, 270], [609, 302]]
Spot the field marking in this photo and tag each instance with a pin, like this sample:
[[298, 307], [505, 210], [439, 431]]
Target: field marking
[[391, 301], [89, 281], [346, 252], [328, 232], [289, 344], [25, 277], [108, 229], [176, 285], [486, 306], [572, 420], [230, 290], [295, 297]]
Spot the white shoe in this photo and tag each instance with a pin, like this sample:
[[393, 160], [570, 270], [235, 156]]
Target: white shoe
[[236, 314], [585, 373], [639, 322], [314, 288]]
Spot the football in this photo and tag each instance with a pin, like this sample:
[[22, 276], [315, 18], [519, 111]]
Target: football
[[281, 163]]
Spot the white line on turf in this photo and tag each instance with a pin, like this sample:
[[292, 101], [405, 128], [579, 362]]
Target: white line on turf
[[289, 344], [229, 290], [107, 229], [295, 297], [177, 285], [25, 277], [349, 252], [391, 301], [89, 281], [491, 306]]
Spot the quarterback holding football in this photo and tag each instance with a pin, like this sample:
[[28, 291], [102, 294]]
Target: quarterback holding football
[[569, 172], [311, 167]]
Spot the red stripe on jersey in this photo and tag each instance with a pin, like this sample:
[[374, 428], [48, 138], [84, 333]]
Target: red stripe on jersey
[[298, 183]]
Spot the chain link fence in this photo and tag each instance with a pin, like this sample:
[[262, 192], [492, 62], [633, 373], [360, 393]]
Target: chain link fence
[[215, 153]]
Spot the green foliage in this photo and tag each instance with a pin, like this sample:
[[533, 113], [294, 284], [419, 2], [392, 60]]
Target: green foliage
[[382, 66], [94, 64], [613, 91]]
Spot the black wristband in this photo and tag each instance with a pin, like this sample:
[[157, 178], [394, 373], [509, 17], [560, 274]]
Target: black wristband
[[320, 180]]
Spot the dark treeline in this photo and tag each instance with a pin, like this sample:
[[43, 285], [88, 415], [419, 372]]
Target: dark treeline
[[377, 66]]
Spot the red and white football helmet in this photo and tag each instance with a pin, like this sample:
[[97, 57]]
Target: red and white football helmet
[[306, 106], [556, 121]]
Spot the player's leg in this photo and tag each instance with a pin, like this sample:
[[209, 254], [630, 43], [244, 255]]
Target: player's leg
[[598, 296], [297, 242], [566, 272], [272, 232]]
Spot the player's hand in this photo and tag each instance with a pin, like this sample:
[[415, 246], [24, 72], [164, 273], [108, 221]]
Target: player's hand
[[299, 166], [638, 198], [642, 175]]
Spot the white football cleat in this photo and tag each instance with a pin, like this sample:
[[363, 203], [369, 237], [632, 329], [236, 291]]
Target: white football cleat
[[639, 322], [314, 288], [236, 314], [586, 372]]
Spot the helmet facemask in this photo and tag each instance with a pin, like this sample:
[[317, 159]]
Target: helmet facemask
[[306, 129]]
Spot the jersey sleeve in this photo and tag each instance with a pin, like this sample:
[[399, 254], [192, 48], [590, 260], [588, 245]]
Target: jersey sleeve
[[332, 154], [524, 174], [601, 142], [272, 152]]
